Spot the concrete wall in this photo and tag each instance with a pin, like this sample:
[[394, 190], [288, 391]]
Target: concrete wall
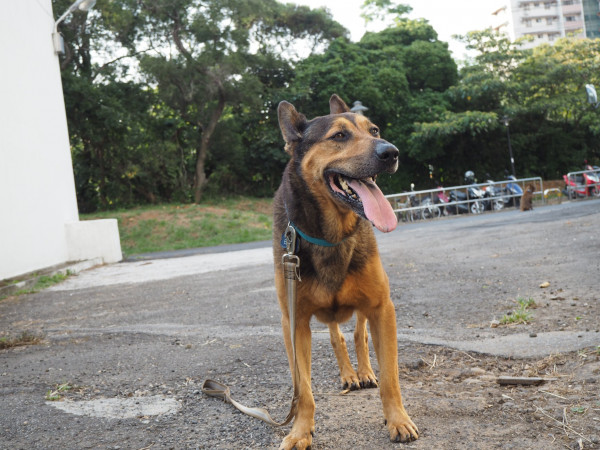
[[38, 208]]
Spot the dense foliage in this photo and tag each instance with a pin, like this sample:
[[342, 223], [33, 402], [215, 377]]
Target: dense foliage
[[168, 100], [542, 94]]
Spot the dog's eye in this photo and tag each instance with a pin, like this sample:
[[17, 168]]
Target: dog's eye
[[375, 131], [338, 136]]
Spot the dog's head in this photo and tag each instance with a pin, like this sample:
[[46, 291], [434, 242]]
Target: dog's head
[[339, 157]]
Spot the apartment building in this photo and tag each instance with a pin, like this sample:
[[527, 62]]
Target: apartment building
[[548, 20]]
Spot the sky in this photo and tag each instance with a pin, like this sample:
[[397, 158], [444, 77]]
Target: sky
[[448, 17]]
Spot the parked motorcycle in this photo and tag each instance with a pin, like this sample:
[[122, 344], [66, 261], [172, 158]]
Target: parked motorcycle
[[585, 184], [473, 198], [494, 197], [513, 192], [430, 209], [427, 208], [441, 199]]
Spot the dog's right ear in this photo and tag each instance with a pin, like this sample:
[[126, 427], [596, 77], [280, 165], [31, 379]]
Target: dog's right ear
[[291, 122]]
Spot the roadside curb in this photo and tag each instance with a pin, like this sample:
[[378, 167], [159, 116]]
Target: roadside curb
[[27, 281]]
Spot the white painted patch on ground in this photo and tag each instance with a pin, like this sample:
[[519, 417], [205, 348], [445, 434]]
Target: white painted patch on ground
[[120, 408], [164, 269]]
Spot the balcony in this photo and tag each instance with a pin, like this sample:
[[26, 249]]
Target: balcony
[[572, 25], [571, 9]]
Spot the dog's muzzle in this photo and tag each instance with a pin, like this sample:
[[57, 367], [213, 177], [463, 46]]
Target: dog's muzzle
[[387, 154]]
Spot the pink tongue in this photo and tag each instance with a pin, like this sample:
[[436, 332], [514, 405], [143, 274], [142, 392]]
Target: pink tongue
[[377, 209]]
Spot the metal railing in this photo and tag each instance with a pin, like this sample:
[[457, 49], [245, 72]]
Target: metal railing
[[431, 203], [578, 185]]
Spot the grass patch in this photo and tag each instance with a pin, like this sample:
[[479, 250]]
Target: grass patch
[[181, 226], [24, 338], [55, 394], [45, 281], [521, 314]]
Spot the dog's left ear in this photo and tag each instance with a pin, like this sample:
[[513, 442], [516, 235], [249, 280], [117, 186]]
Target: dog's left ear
[[337, 105], [291, 122]]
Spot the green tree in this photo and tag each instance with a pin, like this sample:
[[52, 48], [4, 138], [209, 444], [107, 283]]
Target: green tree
[[112, 131], [400, 74], [207, 55], [541, 91]]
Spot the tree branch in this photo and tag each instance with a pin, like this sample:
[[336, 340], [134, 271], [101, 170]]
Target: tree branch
[[107, 64]]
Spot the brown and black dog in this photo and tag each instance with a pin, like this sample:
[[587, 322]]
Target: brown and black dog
[[328, 193], [527, 198]]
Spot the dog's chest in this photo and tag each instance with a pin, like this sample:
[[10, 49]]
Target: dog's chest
[[330, 269]]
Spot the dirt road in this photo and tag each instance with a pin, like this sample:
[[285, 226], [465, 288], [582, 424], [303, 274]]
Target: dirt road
[[126, 348]]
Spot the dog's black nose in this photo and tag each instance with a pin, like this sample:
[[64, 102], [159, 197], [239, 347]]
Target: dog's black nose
[[386, 152]]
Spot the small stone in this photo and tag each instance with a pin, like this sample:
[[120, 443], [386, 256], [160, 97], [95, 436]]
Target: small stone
[[494, 323], [545, 284], [532, 335]]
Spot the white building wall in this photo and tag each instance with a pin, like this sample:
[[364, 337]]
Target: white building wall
[[502, 20], [38, 208], [546, 20]]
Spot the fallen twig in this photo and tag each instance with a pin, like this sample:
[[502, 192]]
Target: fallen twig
[[562, 424], [553, 394], [519, 380], [465, 353]]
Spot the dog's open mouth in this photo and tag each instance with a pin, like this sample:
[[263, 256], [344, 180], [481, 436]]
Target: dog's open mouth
[[365, 198]]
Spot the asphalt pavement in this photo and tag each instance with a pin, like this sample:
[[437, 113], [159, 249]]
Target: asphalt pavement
[[127, 338]]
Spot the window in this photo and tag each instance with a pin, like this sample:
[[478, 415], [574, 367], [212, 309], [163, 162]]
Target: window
[[549, 20], [538, 20], [571, 18], [528, 23], [540, 36]]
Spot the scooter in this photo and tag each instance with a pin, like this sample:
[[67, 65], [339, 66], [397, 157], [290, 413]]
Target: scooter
[[513, 192], [585, 184], [441, 199], [473, 206], [428, 209], [495, 199], [473, 197]]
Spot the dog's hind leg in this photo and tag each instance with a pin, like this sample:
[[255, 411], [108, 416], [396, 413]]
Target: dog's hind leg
[[347, 374], [366, 376]]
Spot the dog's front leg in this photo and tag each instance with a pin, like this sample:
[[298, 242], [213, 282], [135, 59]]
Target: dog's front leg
[[382, 320], [304, 423]]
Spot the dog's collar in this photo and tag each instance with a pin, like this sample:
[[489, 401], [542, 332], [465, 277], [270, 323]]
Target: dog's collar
[[303, 235], [306, 237]]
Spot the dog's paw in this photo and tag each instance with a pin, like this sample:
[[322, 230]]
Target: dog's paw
[[297, 440], [402, 429], [367, 380], [350, 381]]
